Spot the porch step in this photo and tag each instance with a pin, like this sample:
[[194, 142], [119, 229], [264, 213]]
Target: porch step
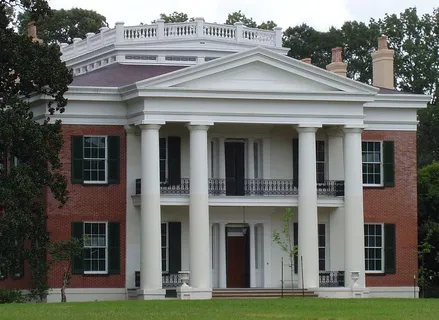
[[260, 293]]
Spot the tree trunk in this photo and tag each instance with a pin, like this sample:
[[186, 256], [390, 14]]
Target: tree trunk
[[64, 286]]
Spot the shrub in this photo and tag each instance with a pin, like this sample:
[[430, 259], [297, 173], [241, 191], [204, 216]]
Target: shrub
[[11, 296]]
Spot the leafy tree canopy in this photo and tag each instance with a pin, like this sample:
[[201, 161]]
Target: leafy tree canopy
[[62, 26], [29, 150]]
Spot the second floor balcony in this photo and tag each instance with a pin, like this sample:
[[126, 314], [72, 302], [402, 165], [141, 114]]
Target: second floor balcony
[[249, 187]]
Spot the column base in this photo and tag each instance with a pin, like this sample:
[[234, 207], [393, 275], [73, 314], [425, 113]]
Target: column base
[[151, 294], [186, 292]]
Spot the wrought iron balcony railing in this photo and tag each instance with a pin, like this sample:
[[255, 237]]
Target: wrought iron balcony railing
[[169, 280], [249, 187], [331, 279]]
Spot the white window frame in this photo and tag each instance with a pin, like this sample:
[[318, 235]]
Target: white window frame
[[381, 184], [258, 158], [382, 248], [106, 246], [105, 160], [166, 247], [166, 160]]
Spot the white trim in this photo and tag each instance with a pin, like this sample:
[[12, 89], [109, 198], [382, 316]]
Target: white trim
[[96, 159], [106, 246], [382, 249], [371, 185]]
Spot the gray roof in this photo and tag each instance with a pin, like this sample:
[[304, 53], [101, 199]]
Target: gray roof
[[119, 75]]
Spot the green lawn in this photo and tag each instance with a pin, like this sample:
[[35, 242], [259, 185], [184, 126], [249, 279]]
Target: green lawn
[[286, 308]]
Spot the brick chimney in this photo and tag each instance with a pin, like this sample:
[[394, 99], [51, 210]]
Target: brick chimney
[[382, 61], [32, 31], [337, 65]]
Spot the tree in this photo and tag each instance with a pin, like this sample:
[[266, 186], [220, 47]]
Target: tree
[[64, 252], [238, 16], [174, 17], [62, 26], [28, 68], [284, 240]]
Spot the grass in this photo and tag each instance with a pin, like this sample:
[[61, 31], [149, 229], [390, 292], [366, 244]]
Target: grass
[[286, 308]]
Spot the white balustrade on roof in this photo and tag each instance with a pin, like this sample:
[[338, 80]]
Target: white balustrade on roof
[[122, 35]]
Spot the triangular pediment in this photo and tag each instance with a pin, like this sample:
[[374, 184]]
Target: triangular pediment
[[257, 69]]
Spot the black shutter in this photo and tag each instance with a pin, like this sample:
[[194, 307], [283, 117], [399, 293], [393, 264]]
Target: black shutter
[[113, 159], [174, 229], [3, 273], [389, 248], [77, 159], [78, 261], [174, 161], [296, 162], [296, 242], [389, 163], [114, 248]]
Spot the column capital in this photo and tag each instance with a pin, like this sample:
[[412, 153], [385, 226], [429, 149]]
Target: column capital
[[353, 129], [334, 131], [307, 127], [150, 126], [130, 129], [198, 126]]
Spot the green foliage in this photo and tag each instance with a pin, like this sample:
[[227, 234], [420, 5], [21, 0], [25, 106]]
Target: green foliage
[[62, 26], [29, 68], [238, 16], [11, 296], [65, 251], [284, 239], [174, 17]]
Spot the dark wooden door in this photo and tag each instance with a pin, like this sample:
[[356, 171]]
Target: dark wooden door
[[236, 266], [234, 153]]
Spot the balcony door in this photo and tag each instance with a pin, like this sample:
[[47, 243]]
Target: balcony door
[[234, 153]]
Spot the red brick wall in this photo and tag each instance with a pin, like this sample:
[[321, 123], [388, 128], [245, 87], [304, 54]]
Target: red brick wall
[[396, 205], [89, 203]]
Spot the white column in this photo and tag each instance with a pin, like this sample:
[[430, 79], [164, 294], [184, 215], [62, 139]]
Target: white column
[[353, 206], [252, 256], [150, 219], [199, 213], [308, 232], [221, 159], [250, 159], [222, 256]]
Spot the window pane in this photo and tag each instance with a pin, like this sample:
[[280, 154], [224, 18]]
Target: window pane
[[164, 265], [87, 265], [322, 266], [101, 265]]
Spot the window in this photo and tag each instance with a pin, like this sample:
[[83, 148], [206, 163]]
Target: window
[[212, 159], [95, 247], [95, 159], [163, 149], [3, 162], [322, 247], [165, 247], [320, 161], [372, 162], [374, 247]]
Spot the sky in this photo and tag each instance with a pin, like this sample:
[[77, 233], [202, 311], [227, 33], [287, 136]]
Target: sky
[[320, 14]]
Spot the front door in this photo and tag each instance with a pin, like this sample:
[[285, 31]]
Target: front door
[[234, 153], [238, 257]]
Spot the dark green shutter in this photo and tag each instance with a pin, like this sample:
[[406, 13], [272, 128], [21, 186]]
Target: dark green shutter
[[77, 159], [174, 161], [296, 162], [174, 229], [389, 248], [114, 248], [296, 242], [389, 163], [113, 159], [78, 261]]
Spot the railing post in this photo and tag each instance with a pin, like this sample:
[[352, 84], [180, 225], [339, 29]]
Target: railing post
[[160, 28], [102, 31], [200, 26], [89, 35], [278, 37], [239, 28], [119, 32]]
